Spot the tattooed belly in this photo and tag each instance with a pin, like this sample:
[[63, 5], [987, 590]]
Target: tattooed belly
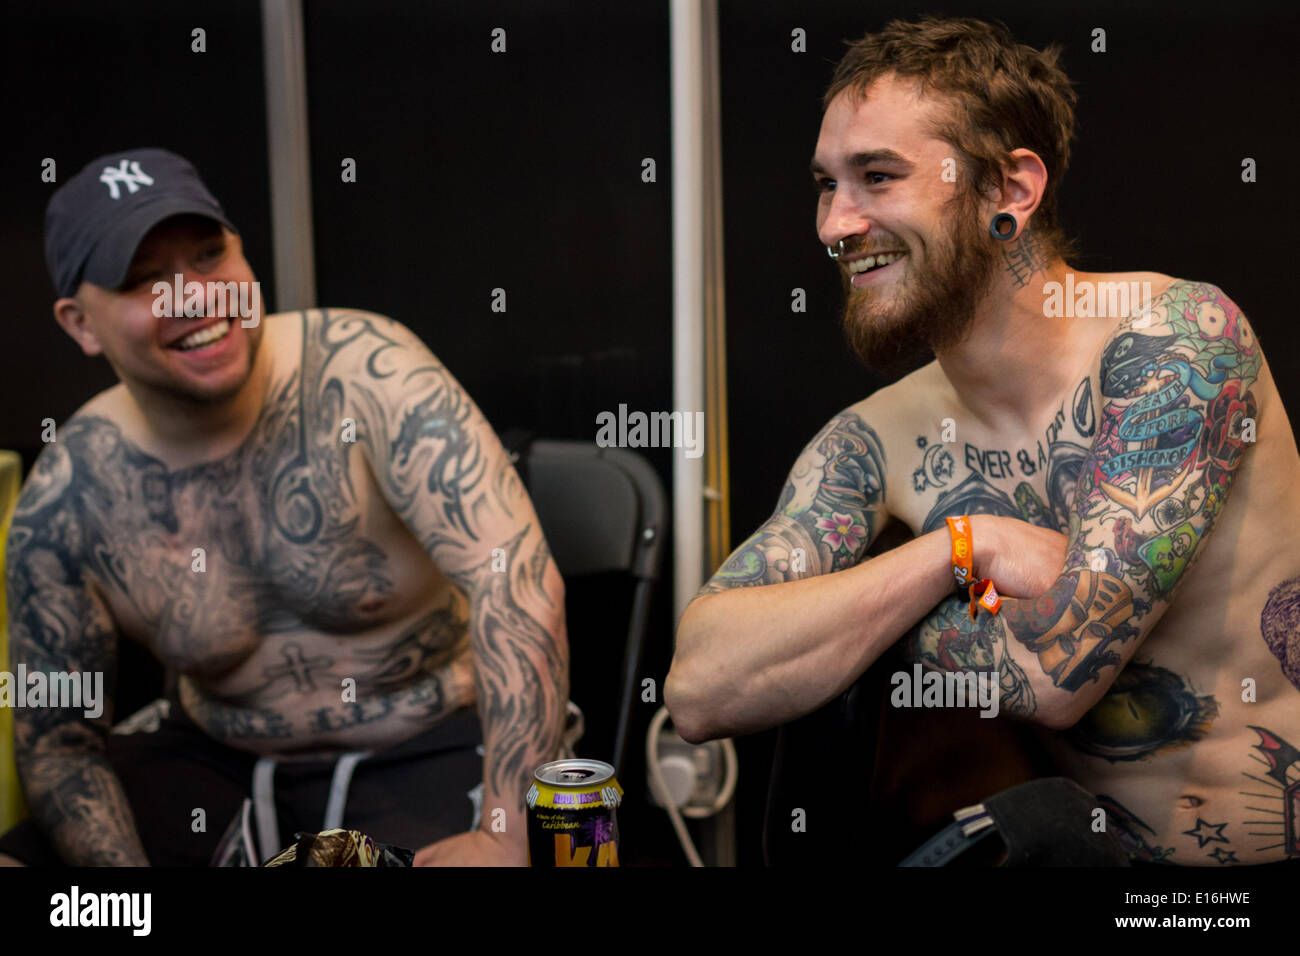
[[329, 722], [312, 690], [1230, 798]]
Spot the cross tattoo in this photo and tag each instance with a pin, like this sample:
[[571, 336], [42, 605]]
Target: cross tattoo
[[298, 667]]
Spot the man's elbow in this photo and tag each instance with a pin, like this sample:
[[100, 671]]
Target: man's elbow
[[687, 700], [1058, 715]]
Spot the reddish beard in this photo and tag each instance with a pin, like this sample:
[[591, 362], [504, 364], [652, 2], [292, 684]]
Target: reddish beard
[[927, 307]]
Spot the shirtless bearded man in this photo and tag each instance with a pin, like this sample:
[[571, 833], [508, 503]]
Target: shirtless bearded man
[[1149, 617]]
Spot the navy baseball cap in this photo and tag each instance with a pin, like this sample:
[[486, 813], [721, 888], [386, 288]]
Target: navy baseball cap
[[95, 220]]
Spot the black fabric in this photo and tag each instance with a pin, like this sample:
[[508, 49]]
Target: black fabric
[[409, 795], [1049, 823]]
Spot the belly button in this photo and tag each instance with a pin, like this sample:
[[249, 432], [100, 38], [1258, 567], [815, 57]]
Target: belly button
[[371, 605], [1189, 802]]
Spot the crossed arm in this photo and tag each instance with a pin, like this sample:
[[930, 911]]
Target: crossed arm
[[1175, 398], [444, 472], [1177, 413]]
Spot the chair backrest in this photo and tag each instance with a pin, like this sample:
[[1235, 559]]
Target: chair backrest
[[602, 509]]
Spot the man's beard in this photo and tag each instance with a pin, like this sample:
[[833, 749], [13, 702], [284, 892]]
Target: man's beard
[[934, 305]]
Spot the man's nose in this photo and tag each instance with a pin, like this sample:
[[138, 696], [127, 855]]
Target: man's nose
[[845, 219]]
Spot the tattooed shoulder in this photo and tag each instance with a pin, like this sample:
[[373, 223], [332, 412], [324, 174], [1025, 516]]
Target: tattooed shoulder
[[68, 477], [828, 513]]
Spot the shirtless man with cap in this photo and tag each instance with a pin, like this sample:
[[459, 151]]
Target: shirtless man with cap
[[304, 517], [1149, 620]]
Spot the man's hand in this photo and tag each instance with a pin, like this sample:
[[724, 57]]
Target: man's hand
[[474, 848], [1023, 559]]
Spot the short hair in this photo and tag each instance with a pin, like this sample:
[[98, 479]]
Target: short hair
[[1006, 95]]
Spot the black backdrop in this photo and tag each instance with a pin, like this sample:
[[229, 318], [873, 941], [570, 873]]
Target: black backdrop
[[522, 171]]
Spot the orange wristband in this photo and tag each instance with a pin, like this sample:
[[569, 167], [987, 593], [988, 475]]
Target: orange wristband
[[963, 550], [984, 595]]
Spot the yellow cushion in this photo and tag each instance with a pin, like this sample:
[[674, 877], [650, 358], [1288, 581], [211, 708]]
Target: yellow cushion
[[12, 808]]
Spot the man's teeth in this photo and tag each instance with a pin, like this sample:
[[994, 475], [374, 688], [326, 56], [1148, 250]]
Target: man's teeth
[[204, 336], [871, 262]]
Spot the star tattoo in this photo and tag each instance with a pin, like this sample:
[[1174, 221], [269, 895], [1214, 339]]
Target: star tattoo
[[1207, 833]]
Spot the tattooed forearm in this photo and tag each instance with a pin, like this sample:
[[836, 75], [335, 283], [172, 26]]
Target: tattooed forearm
[[521, 674], [827, 516], [1073, 626], [948, 640], [79, 803]]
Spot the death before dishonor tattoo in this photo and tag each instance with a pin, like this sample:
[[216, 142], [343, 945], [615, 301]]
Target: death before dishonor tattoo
[[101, 523], [1176, 388], [1177, 402]]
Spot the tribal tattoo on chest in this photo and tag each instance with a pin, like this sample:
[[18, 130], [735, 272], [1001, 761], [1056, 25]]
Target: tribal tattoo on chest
[[280, 519], [277, 523]]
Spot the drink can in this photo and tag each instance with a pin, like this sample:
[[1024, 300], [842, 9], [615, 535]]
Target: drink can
[[572, 814]]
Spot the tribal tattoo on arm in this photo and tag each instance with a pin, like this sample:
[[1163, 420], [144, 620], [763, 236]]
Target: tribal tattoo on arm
[[444, 472], [830, 511], [58, 624]]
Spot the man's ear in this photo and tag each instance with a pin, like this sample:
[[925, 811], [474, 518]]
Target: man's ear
[[1024, 178], [71, 315]]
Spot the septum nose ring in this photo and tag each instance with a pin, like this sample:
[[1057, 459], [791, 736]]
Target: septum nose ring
[[832, 253]]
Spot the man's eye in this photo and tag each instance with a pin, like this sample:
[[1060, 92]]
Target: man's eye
[[874, 182], [823, 185], [135, 281]]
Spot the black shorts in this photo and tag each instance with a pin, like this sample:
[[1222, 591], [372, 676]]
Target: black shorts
[[409, 795]]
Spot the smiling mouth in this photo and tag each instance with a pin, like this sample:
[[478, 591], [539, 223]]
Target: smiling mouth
[[872, 263], [203, 337]]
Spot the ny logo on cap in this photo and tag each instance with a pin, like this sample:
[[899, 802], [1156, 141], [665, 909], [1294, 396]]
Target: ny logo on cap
[[133, 177]]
